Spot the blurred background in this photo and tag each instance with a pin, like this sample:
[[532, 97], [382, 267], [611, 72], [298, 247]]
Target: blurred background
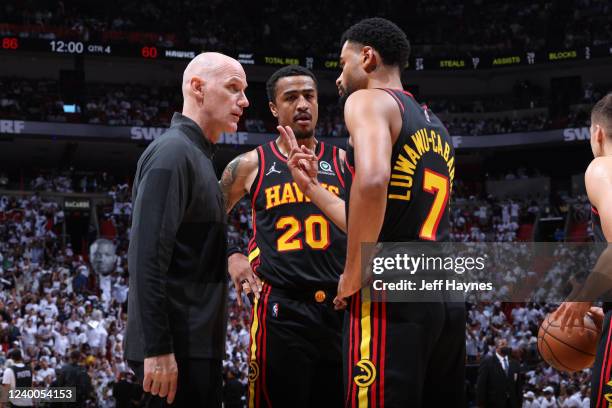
[[85, 86]]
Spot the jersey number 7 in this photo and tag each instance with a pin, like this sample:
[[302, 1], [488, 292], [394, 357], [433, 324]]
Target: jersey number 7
[[436, 184]]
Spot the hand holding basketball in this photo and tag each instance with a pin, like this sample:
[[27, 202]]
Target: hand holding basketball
[[571, 314], [565, 349]]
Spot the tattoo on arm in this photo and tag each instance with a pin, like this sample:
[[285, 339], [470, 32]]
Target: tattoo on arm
[[228, 178]]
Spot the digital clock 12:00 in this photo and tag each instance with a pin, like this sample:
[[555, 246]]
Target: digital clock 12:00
[[67, 47]]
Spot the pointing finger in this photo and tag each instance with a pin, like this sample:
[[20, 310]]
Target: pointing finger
[[288, 136], [291, 135]]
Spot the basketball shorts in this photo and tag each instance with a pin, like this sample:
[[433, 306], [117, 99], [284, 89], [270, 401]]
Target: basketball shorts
[[403, 354], [295, 355], [601, 381]]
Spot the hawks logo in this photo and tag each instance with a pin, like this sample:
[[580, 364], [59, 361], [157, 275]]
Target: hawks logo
[[364, 373], [253, 371]]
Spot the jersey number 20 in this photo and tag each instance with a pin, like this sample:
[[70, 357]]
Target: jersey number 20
[[316, 233]]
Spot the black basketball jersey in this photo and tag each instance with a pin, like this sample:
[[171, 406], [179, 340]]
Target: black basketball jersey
[[598, 236], [294, 245], [23, 376], [422, 172], [596, 226]]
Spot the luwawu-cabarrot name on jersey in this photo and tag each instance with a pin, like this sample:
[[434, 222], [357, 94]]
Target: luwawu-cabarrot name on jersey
[[423, 141]]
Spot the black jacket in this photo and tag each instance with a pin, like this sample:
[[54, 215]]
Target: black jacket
[[74, 375], [496, 389], [233, 392], [125, 392], [177, 254]]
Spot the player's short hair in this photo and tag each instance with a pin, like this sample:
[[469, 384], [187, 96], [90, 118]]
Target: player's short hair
[[384, 36], [15, 355], [289, 70], [602, 113]]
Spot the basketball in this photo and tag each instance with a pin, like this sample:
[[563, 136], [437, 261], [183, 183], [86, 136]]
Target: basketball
[[568, 352]]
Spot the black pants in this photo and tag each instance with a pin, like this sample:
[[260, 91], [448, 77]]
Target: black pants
[[404, 354], [199, 384], [295, 355]]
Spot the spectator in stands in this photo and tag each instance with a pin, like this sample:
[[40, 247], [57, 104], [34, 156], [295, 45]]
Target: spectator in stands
[[25, 284], [498, 379], [233, 391], [74, 374], [548, 399], [17, 375], [126, 391], [45, 375], [573, 398], [96, 333], [139, 105]]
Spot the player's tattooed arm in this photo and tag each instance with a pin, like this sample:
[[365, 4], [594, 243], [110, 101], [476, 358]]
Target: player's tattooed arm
[[227, 179], [237, 178], [235, 182]]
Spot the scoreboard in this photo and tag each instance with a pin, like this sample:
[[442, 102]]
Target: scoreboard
[[73, 47], [417, 62]]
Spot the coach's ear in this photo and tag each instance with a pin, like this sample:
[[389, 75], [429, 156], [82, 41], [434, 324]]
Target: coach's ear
[[600, 134], [273, 109], [369, 58], [196, 85]]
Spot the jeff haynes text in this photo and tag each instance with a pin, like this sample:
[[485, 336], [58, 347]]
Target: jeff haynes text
[[432, 286]]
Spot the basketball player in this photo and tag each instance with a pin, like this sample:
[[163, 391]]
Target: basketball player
[[296, 335], [598, 181], [401, 163]]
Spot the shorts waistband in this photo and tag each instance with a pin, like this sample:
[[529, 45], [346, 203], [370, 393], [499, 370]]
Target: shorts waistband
[[314, 295]]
